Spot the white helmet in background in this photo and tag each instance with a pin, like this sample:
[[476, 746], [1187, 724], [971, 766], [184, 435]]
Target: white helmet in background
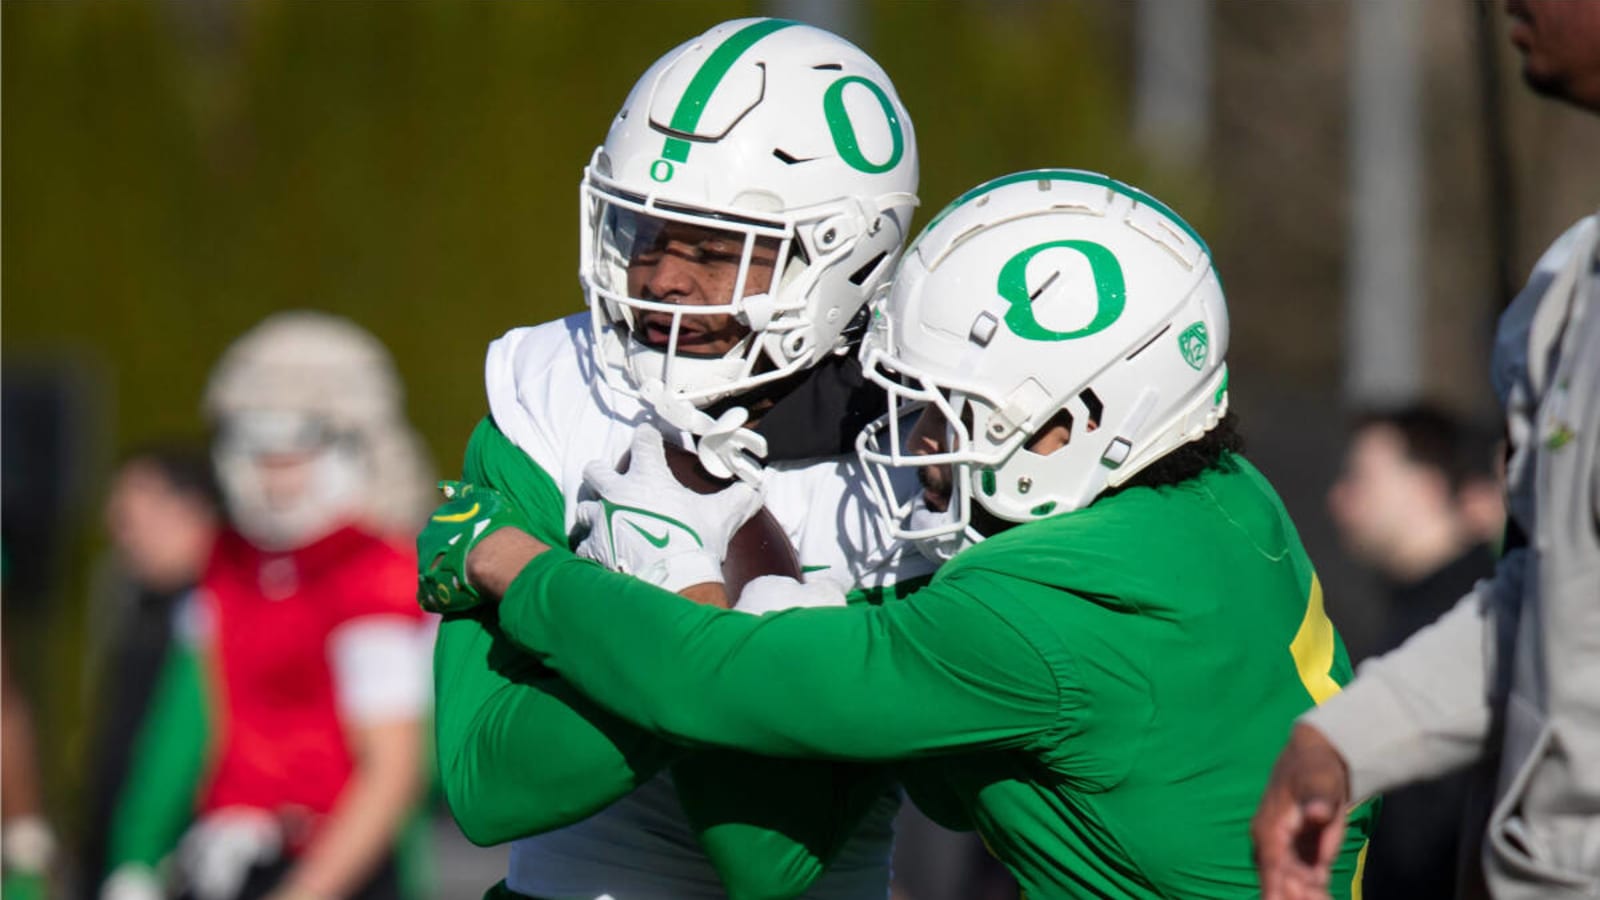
[[1043, 297], [310, 432], [782, 140]]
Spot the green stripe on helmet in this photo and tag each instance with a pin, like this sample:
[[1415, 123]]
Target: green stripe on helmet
[[1066, 175], [695, 97]]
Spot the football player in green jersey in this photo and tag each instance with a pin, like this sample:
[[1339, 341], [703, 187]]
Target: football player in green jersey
[[1125, 625]]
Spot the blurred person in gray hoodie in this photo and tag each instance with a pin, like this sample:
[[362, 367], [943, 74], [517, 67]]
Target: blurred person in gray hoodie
[[1510, 677]]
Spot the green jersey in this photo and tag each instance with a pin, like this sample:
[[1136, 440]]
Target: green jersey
[[1100, 694]]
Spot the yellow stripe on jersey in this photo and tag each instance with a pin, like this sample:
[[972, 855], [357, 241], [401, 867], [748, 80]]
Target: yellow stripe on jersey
[[1361, 868], [1312, 648]]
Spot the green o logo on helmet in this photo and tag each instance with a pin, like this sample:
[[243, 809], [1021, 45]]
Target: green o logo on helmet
[[1111, 292], [844, 131]]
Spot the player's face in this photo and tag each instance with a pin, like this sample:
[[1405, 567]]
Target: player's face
[[1560, 44], [691, 265], [930, 435]]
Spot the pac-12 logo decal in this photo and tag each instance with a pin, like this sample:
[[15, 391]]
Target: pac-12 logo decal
[[1194, 345]]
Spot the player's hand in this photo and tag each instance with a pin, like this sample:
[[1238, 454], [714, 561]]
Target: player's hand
[[648, 525], [217, 853], [469, 515], [130, 881], [1300, 823]]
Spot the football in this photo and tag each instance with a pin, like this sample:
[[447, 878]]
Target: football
[[760, 546]]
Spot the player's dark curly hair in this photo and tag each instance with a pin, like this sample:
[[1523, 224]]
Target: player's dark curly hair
[[1185, 462]]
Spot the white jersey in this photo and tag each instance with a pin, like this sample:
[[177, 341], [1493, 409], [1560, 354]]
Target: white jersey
[[546, 397]]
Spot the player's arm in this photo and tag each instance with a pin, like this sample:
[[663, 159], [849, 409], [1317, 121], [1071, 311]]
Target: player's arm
[[534, 754], [938, 674], [772, 826], [1417, 712], [158, 798], [521, 752], [1423, 709], [380, 682]]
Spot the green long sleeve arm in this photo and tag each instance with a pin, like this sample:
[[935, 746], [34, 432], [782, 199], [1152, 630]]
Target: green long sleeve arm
[[771, 826], [520, 752], [938, 673], [158, 798]]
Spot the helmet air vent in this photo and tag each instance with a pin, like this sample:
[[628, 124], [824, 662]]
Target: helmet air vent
[[790, 159], [1144, 346]]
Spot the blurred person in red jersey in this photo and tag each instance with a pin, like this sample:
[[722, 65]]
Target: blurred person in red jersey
[[302, 661], [1505, 682], [1419, 502]]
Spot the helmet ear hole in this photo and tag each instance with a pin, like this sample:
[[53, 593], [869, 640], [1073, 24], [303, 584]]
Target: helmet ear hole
[[1053, 436], [1091, 403]]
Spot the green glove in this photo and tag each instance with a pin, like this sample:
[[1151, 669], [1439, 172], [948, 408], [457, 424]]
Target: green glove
[[470, 514]]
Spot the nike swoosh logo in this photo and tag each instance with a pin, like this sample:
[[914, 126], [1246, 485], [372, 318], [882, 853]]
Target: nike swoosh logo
[[656, 542], [805, 569], [458, 517]]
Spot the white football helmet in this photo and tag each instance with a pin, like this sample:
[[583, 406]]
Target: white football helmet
[[317, 389], [789, 146], [1040, 297]]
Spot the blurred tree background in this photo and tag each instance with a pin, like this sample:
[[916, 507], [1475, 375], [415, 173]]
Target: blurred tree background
[[174, 171]]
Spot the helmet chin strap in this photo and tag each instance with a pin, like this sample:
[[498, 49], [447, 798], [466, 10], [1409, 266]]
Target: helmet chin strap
[[726, 448]]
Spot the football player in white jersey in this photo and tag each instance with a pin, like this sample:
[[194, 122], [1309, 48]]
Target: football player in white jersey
[[753, 193]]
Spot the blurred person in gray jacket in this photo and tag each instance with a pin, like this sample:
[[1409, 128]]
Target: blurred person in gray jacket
[[1512, 672]]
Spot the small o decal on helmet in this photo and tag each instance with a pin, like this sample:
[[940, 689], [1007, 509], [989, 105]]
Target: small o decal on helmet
[[661, 170], [844, 131]]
